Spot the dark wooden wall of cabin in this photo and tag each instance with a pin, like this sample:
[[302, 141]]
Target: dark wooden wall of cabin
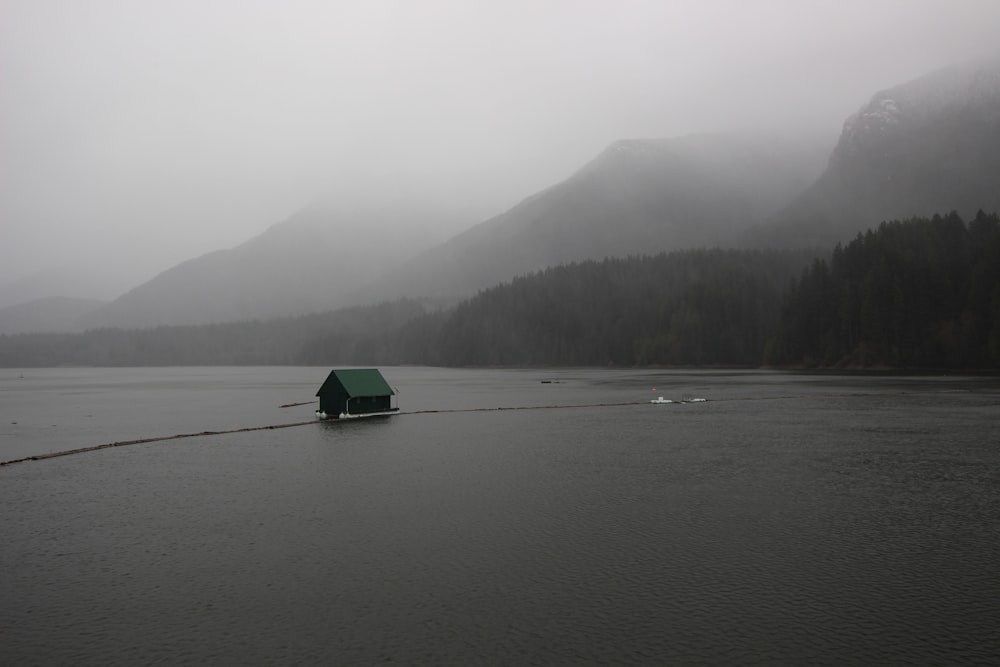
[[333, 403]]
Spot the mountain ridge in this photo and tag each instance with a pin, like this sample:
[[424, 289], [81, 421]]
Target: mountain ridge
[[301, 265], [927, 145], [637, 196]]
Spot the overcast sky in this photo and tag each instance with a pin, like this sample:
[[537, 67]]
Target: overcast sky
[[135, 134]]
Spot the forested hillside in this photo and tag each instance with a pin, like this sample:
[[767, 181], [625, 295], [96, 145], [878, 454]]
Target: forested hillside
[[691, 307], [921, 293]]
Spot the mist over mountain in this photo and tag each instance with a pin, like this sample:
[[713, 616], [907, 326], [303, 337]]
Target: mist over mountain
[[929, 145], [48, 314], [68, 281], [918, 294], [636, 197], [302, 265]]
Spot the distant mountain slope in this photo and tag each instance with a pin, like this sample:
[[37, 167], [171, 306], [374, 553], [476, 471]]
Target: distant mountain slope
[[79, 281], [637, 197], [46, 315], [304, 264], [930, 145]]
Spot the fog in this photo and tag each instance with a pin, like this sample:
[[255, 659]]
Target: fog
[[135, 135]]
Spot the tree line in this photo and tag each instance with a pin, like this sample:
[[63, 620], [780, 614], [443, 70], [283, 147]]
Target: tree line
[[284, 341], [918, 293], [921, 293], [693, 307]]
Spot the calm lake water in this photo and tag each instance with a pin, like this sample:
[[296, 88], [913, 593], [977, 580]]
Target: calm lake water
[[788, 519]]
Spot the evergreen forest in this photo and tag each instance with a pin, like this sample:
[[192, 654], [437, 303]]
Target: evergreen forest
[[924, 293], [921, 293]]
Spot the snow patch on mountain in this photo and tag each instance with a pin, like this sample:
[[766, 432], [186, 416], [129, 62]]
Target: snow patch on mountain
[[920, 102]]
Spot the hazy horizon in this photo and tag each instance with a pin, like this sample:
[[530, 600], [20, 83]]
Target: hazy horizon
[[135, 136]]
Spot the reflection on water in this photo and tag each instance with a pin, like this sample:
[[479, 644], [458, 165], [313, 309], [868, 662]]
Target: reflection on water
[[788, 519]]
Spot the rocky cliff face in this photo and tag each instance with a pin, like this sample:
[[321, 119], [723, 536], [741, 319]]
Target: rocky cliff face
[[928, 146]]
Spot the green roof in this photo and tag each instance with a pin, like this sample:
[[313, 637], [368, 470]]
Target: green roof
[[356, 382]]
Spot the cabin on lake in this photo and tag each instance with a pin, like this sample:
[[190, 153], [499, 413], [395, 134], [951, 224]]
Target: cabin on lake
[[354, 392]]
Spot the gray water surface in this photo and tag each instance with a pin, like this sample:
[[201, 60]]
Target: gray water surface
[[789, 519]]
